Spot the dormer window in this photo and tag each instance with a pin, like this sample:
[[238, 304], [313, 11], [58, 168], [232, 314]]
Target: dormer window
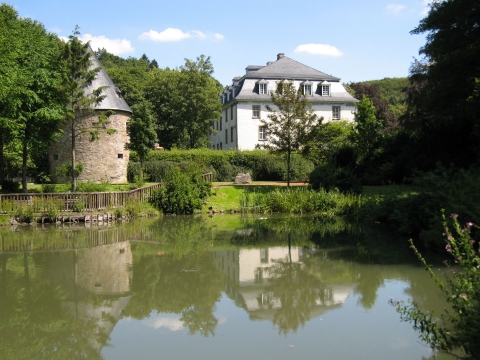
[[228, 96], [233, 93], [325, 89], [263, 87], [307, 88]]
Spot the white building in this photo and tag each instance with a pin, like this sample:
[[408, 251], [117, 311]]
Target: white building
[[244, 102]]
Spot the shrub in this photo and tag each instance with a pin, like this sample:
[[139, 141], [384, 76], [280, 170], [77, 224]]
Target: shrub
[[89, 186], [24, 213], [182, 193], [10, 186]]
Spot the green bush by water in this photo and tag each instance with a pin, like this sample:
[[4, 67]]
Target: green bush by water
[[181, 194]]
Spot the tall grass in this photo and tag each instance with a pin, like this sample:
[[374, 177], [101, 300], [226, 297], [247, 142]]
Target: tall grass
[[302, 201]]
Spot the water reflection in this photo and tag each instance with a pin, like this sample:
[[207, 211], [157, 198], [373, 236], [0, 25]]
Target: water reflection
[[63, 294]]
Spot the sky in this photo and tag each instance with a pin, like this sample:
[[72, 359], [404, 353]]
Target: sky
[[350, 39]]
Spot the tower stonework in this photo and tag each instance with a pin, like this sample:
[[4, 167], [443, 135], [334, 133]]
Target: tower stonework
[[104, 159]]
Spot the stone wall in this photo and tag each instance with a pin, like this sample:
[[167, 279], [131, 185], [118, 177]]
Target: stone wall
[[105, 159]]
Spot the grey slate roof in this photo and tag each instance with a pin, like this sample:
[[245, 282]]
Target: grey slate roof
[[287, 68], [114, 99]]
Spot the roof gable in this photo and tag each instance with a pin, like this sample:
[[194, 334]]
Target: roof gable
[[286, 68]]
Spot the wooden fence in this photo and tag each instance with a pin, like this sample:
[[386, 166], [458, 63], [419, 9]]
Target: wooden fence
[[77, 201]]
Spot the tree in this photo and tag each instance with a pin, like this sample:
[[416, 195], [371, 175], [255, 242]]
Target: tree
[[31, 102], [185, 103], [443, 97], [80, 102], [141, 130], [382, 110], [291, 123], [367, 135]]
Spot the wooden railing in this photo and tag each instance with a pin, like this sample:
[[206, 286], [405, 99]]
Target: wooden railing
[[76, 201], [80, 201]]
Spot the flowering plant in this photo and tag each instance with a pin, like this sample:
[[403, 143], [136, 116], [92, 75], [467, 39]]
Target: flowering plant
[[458, 328]]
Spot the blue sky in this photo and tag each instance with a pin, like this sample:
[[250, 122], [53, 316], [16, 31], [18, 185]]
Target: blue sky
[[353, 40]]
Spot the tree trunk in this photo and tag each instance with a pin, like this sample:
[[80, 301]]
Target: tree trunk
[[74, 173], [288, 168], [2, 160], [24, 165]]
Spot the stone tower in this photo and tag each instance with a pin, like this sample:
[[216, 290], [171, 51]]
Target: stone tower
[[105, 159]]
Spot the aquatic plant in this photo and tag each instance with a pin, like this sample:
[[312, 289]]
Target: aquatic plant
[[458, 328]]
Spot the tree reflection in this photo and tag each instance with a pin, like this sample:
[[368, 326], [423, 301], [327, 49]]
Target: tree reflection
[[189, 286], [34, 324]]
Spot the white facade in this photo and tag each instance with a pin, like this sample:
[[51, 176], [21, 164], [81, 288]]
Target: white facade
[[245, 102]]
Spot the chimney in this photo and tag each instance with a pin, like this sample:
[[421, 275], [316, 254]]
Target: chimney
[[269, 63], [279, 56]]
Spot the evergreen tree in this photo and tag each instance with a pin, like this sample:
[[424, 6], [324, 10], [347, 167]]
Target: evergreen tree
[[79, 100]]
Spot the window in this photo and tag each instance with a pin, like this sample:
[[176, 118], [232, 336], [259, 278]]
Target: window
[[325, 90], [221, 146], [120, 156], [226, 114], [218, 146], [262, 88], [55, 157], [220, 125], [307, 90], [231, 134], [231, 112], [262, 133], [226, 136], [256, 111], [336, 112]]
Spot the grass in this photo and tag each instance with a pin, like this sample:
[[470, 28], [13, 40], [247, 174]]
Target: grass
[[379, 190]]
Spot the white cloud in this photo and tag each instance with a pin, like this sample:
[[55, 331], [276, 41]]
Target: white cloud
[[218, 36], [319, 49], [395, 8], [199, 34], [114, 46], [171, 34], [166, 35], [171, 324]]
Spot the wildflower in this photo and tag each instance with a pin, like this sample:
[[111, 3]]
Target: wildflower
[[470, 224], [464, 296], [454, 216], [472, 241], [448, 248]]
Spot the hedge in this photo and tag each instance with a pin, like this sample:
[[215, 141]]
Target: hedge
[[225, 165]]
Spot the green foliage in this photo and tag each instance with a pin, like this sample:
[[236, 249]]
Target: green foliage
[[459, 326], [419, 213], [89, 186], [10, 186], [182, 193], [443, 99], [326, 139], [78, 99], [224, 165], [290, 122], [141, 130], [185, 103], [24, 213], [30, 97], [65, 170], [367, 128]]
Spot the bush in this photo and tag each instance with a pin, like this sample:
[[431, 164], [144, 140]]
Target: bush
[[10, 186], [182, 193], [330, 177]]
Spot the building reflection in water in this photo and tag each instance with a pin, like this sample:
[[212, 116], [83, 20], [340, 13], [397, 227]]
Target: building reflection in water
[[275, 284]]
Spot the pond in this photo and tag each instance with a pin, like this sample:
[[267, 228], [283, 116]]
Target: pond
[[203, 287]]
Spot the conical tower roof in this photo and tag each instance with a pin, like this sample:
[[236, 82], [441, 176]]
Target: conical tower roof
[[114, 99]]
